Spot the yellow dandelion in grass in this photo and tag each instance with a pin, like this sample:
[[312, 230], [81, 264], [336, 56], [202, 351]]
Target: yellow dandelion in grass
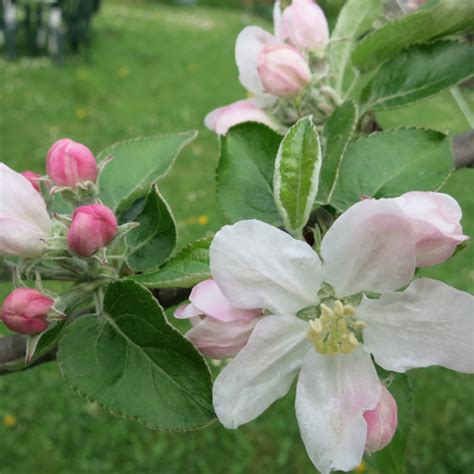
[[203, 219], [123, 71], [362, 467], [9, 421], [81, 113]]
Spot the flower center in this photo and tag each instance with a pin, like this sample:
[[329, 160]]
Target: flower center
[[336, 329]]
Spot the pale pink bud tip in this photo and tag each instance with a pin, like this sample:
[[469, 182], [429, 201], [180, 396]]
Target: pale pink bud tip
[[33, 178], [69, 163], [26, 310], [305, 26], [93, 227], [283, 70], [381, 422]]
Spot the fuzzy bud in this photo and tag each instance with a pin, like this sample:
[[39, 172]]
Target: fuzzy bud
[[70, 163], [381, 422], [283, 70], [92, 228], [26, 310]]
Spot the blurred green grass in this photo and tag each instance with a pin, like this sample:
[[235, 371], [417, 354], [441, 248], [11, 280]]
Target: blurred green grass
[[158, 69]]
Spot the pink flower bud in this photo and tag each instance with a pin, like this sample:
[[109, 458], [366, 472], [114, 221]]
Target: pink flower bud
[[305, 26], [435, 218], [69, 163], [33, 179], [381, 422], [223, 118], [25, 311], [219, 331], [93, 227], [283, 70]]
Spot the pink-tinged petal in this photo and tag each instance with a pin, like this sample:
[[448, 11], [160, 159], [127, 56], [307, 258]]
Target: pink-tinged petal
[[223, 118], [382, 422], [186, 311], [257, 265], [429, 323], [220, 340], [208, 299], [248, 46], [263, 370], [435, 218], [332, 394], [20, 201], [369, 248]]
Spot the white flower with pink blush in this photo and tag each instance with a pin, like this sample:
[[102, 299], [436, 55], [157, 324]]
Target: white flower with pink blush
[[219, 330], [24, 221], [269, 68], [323, 329], [303, 24], [436, 219], [223, 118]]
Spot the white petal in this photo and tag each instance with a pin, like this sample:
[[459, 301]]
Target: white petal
[[20, 201], [262, 372], [332, 394], [19, 238], [371, 247], [277, 21], [429, 323], [248, 46], [257, 265]]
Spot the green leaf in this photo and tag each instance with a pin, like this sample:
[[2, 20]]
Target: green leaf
[[337, 133], [442, 19], [296, 177], [154, 240], [390, 163], [136, 165], [418, 73], [131, 361], [392, 458], [356, 17], [245, 173], [185, 270]]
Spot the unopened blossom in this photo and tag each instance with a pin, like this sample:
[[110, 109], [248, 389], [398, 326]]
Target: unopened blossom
[[219, 330], [303, 24], [70, 163], [283, 70], [223, 118], [382, 422], [436, 220], [24, 220], [25, 311], [33, 178], [93, 227], [323, 328]]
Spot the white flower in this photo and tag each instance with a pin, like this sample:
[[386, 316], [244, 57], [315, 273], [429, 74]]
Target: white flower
[[24, 220], [371, 247]]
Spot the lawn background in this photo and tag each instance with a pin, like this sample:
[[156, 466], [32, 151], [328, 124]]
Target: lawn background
[[155, 68]]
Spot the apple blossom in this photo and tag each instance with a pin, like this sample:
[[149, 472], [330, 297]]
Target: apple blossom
[[223, 118], [436, 220], [322, 326], [26, 310], [33, 178], [382, 422], [24, 220], [70, 163], [304, 24], [219, 330], [92, 228], [283, 70]]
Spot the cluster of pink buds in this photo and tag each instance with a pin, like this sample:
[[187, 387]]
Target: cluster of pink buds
[[29, 230]]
